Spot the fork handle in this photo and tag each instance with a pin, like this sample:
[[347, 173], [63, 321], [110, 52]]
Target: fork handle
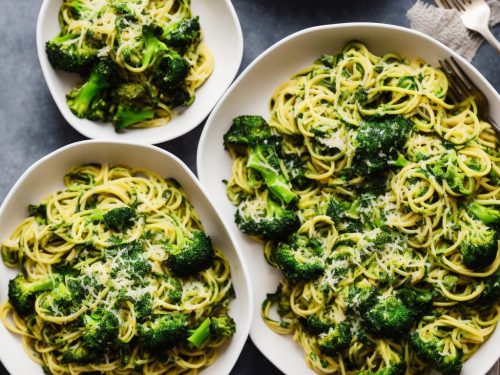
[[490, 38]]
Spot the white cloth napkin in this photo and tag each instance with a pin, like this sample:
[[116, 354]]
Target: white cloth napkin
[[446, 26]]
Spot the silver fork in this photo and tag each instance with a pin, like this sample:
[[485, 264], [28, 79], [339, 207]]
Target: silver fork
[[461, 88], [475, 15]]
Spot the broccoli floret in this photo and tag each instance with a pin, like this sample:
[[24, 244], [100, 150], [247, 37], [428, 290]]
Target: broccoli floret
[[377, 141], [143, 307], [22, 292], [480, 246], [153, 47], [266, 218], [389, 317], [171, 72], [446, 169], [222, 326], [432, 349], [249, 131], [340, 210], [400, 161], [164, 332], [119, 219], [394, 368], [418, 300], [134, 94], [127, 116], [491, 292], [99, 109], [264, 159], [100, 329], [361, 298], [487, 215], [80, 354], [69, 56], [336, 339], [314, 326], [80, 99], [39, 212], [299, 258], [197, 254], [182, 33]]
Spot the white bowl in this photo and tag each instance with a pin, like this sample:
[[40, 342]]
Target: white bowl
[[250, 94], [222, 35], [46, 176]]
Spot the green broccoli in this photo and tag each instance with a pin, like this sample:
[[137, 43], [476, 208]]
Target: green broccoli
[[388, 317], [314, 325], [361, 298], [299, 258], [39, 212], [488, 215], [296, 171], [480, 246], [336, 339], [199, 335], [128, 261], [266, 218], [143, 307], [170, 72], [119, 219], [126, 116], [248, 131], [181, 34], [134, 94], [164, 331], [432, 349], [377, 141], [222, 326], [79, 354], [264, 159], [63, 53], [80, 99], [22, 292], [153, 47], [196, 254], [100, 329], [491, 291], [446, 169]]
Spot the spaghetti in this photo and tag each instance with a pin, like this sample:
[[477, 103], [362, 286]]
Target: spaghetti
[[118, 264], [405, 228]]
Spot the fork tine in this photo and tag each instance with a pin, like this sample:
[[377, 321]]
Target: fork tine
[[458, 5], [442, 4], [454, 76], [462, 74]]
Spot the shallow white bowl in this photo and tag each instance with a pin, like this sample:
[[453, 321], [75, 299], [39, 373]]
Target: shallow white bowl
[[250, 94], [221, 33], [46, 176]]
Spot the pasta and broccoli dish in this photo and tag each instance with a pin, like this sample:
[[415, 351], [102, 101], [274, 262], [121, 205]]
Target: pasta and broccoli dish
[[117, 276], [139, 59], [377, 199]]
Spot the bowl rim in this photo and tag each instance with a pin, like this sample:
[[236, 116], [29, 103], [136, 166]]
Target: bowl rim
[[245, 328], [203, 174], [73, 121]]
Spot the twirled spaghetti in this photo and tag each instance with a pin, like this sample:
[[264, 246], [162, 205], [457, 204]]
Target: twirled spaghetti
[[421, 200], [119, 266]]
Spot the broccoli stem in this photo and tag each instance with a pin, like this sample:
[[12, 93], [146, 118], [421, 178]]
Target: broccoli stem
[[127, 116], [273, 178], [486, 214], [200, 334]]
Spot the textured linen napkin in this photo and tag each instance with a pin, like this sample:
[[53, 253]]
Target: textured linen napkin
[[446, 26]]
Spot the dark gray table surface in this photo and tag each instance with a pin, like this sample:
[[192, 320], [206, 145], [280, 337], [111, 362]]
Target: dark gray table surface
[[31, 125]]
